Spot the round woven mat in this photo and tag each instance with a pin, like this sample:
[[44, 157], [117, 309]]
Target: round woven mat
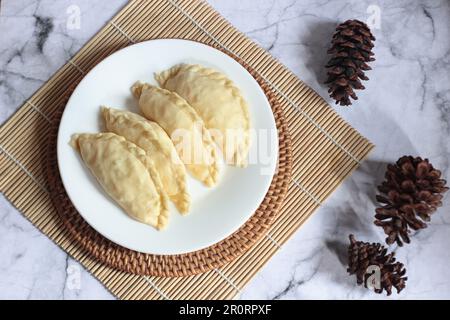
[[184, 264]]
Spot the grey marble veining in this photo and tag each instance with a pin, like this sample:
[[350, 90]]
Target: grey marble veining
[[405, 109]]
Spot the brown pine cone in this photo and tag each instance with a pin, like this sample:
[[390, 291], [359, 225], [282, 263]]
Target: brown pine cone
[[411, 193], [364, 257], [351, 49]]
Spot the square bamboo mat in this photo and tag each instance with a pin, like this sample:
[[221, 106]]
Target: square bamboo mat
[[325, 148]]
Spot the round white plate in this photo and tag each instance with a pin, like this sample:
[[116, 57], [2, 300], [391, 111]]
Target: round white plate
[[215, 212]]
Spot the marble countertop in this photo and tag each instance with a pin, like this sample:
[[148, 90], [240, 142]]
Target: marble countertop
[[405, 109]]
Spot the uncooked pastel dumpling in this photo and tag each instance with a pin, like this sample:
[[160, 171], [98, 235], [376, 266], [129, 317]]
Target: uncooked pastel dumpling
[[186, 129], [218, 102], [149, 136], [127, 174]]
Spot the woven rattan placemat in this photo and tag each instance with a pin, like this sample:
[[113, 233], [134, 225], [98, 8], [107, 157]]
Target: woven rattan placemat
[[324, 148], [190, 263]]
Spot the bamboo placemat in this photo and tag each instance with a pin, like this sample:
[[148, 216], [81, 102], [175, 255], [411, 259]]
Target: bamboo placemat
[[325, 149]]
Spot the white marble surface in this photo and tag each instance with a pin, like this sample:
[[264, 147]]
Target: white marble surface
[[404, 110]]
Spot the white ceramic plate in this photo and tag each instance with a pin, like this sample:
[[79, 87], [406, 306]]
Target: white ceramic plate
[[215, 212]]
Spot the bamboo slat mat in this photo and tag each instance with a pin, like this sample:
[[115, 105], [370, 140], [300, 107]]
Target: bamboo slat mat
[[325, 148]]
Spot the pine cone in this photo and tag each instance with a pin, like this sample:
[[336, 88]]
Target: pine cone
[[351, 49], [362, 255], [411, 193]]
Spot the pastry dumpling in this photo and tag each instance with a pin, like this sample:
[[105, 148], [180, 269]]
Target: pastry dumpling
[[186, 129], [218, 102], [127, 175], [149, 136]]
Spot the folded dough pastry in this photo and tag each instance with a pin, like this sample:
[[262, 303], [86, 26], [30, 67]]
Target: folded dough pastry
[[149, 136], [218, 102], [196, 147], [127, 174]]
